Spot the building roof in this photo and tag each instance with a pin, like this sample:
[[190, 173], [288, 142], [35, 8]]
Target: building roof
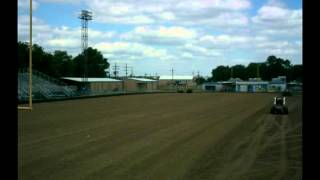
[[277, 81], [143, 79], [255, 79], [80, 79], [252, 82], [210, 83], [176, 77]]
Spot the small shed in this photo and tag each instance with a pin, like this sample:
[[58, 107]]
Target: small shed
[[140, 84], [183, 81], [212, 86]]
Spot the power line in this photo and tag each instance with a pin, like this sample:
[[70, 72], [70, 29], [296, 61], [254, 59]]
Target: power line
[[126, 70], [115, 70]]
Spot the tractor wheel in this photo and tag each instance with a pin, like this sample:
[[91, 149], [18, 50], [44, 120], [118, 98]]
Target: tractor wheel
[[272, 111]]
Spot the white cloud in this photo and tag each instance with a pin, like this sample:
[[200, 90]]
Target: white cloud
[[199, 51], [133, 49], [54, 38], [64, 43], [275, 20], [214, 4], [223, 40], [273, 44], [166, 16], [161, 35], [216, 12]]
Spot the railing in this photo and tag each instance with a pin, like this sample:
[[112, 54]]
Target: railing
[[44, 86]]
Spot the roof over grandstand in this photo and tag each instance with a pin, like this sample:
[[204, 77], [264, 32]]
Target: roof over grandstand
[[80, 79], [176, 77]]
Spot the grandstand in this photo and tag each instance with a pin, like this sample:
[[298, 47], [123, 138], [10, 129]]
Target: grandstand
[[43, 86]]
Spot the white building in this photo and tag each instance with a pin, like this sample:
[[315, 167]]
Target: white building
[[252, 86], [278, 84]]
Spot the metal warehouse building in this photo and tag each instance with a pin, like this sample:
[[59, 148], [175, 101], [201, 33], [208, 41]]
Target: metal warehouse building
[[97, 85]]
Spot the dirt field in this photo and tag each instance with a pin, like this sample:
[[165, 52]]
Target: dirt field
[[161, 136]]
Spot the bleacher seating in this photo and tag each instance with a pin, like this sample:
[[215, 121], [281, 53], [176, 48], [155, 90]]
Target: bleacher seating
[[43, 87]]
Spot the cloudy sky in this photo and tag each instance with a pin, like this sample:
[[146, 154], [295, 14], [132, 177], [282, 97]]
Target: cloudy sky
[[153, 36]]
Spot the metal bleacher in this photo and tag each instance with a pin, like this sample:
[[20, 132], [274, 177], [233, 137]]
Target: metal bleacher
[[43, 87]]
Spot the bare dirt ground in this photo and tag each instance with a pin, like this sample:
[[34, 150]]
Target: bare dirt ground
[[161, 136]]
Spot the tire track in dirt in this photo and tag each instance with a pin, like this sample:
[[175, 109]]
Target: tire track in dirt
[[261, 154]]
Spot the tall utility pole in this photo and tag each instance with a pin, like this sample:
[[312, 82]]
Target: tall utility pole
[[85, 16], [126, 70], [198, 74], [115, 70], [131, 71], [172, 71]]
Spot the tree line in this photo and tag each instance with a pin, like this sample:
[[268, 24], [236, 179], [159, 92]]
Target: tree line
[[271, 68], [60, 63]]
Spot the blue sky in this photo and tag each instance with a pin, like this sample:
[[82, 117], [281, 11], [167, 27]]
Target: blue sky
[[153, 36]]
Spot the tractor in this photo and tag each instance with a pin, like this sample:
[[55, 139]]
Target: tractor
[[279, 106]]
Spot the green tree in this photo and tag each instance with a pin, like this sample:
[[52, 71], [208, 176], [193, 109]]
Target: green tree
[[63, 64], [276, 66], [297, 72], [239, 71], [96, 63], [200, 80], [221, 73], [41, 60], [23, 54], [252, 70]]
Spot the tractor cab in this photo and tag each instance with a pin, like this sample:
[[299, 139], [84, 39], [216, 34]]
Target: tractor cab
[[279, 106], [279, 101]]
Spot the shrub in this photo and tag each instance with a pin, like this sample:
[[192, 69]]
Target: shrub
[[287, 93], [189, 90], [180, 91]]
